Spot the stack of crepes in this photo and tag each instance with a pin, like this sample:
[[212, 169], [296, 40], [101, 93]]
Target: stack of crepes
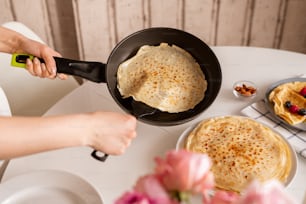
[[288, 92], [241, 150]]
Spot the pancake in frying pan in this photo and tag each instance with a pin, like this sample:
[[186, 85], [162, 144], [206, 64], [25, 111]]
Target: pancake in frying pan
[[164, 77], [241, 150]]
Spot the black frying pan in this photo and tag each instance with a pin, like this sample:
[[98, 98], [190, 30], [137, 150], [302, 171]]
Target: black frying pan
[[154, 36], [107, 73]]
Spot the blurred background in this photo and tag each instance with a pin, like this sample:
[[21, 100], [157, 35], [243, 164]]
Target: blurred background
[[89, 29]]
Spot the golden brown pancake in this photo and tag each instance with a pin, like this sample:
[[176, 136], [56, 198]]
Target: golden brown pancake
[[164, 77], [288, 92], [241, 150]]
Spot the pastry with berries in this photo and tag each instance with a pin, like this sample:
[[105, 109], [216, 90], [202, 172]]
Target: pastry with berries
[[289, 101]]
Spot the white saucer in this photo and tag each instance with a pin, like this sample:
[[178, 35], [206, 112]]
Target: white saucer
[[48, 187]]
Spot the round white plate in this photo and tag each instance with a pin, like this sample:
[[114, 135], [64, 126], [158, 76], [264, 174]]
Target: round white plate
[[48, 187], [181, 143]]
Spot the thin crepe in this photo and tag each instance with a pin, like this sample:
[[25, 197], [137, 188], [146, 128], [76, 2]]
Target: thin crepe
[[164, 77], [288, 92]]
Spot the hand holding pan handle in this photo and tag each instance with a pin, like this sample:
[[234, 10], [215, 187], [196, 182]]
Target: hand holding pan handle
[[93, 71]]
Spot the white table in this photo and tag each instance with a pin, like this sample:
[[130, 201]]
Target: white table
[[119, 173]]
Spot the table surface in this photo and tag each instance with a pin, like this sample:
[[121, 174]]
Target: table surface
[[119, 173]]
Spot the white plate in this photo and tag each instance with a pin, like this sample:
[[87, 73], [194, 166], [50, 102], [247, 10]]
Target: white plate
[[48, 187], [181, 143]]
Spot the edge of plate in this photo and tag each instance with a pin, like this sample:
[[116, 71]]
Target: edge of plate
[[38, 174]]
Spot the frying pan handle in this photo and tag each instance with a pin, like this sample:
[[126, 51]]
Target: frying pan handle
[[93, 71], [95, 155]]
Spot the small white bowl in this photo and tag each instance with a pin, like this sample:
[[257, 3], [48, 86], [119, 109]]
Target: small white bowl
[[244, 89]]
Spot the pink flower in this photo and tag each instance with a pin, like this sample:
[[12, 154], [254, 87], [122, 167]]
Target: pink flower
[[185, 171], [150, 186], [134, 198], [223, 197], [270, 192]]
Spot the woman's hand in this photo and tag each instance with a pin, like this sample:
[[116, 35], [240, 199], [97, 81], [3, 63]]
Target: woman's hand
[[35, 67], [107, 132], [110, 132], [14, 42]]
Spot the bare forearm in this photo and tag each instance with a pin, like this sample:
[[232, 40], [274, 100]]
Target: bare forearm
[[22, 136], [107, 132], [10, 41], [14, 42]]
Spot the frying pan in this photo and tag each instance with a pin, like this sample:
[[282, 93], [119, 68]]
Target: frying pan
[[127, 48]]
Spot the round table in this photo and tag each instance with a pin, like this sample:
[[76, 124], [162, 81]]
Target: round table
[[119, 173]]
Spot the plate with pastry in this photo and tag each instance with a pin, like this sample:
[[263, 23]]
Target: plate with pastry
[[241, 150], [286, 100]]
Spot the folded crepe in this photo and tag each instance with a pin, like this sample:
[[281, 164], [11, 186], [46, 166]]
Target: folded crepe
[[164, 77], [241, 150], [288, 92]]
